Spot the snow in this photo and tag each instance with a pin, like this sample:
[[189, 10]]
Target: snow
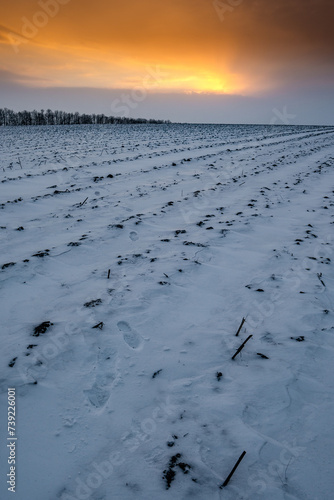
[[200, 226]]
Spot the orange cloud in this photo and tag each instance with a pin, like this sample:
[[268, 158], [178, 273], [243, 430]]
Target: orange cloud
[[244, 46]]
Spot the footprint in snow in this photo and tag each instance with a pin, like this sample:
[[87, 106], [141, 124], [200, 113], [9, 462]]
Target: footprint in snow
[[98, 395], [106, 378], [130, 337], [133, 236]]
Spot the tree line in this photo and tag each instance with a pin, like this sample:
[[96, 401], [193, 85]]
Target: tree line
[[8, 117]]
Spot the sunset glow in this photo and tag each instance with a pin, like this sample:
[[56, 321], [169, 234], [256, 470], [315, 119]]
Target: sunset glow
[[248, 48]]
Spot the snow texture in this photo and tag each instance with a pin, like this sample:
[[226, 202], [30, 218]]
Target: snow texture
[[125, 384]]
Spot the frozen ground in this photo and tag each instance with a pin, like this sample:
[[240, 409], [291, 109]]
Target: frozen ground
[[199, 226]]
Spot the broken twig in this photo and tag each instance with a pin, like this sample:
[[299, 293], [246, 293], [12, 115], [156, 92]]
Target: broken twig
[[99, 325], [81, 204], [241, 325], [241, 347], [227, 480]]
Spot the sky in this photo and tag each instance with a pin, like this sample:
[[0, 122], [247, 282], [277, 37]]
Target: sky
[[212, 61]]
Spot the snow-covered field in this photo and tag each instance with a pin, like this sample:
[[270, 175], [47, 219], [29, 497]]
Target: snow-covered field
[[144, 247]]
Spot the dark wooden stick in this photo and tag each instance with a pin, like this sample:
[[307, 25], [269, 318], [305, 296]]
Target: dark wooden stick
[[99, 325], [227, 480], [241, 347], [108, 273], [80, 205], [239, 329]]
